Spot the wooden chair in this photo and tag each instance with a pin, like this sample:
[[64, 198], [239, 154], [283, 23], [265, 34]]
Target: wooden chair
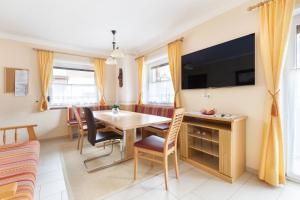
[[157, 149]]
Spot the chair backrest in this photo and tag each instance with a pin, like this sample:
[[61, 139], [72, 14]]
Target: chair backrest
[[172, 135], [77, 117], [91, 125]]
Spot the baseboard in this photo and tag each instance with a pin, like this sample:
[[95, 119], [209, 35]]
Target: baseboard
[[252, 170], [53, 138]]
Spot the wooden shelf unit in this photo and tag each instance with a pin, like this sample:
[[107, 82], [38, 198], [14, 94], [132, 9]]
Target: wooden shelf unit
[[214, 144]]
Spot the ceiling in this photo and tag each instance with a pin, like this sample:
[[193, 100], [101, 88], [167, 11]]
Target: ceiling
[[84, 25]]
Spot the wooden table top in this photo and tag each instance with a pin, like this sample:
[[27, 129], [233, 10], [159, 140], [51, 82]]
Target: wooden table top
[[126, 120]]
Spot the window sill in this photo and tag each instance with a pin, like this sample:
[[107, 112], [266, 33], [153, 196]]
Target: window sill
[[58, 108], [160, 104]]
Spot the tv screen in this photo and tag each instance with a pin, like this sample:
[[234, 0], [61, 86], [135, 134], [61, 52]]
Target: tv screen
[[228, 64]]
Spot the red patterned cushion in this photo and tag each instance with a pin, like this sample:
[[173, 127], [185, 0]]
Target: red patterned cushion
[[153, 143], [155, 110], [71, 115], [161, 126], [18, 163]]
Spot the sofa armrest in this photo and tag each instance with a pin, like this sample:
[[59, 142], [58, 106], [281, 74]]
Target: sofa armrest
[[8, 190], [30, 131]]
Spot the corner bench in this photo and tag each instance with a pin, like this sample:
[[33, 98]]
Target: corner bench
[[163, 111]]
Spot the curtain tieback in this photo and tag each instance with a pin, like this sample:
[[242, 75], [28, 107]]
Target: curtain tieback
[[274, 110]]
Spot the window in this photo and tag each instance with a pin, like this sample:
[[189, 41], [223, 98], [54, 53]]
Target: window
[[72, 87], [291, 105], [158, 85]]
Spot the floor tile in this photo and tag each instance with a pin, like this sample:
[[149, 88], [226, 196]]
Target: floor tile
[[56, 196], [187, 182], [156, 194], [290, 192], [64, 195], [48, 177], [258, 190], [224, 189], [128, 193], [52, 188], [192, 196]]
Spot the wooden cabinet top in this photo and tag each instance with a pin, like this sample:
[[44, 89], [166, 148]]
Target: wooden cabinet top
[[216, 117]]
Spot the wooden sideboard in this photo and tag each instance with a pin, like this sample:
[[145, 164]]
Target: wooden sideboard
[[215, 144]]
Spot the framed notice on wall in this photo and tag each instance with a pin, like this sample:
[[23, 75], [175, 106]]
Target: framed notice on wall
[[21, 83], [16, 81]]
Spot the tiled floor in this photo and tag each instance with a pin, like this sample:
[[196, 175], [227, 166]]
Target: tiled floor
[[192, 185]]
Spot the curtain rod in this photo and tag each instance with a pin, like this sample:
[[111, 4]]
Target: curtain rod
[[70, 54], [258, 5], [180, 39]]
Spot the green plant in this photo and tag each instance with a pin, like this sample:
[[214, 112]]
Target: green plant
[[115, 106]]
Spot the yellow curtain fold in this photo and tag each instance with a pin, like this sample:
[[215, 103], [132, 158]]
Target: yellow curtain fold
[[99, 65], [140, 64], [275, 22], [45, 63], [174, 56]]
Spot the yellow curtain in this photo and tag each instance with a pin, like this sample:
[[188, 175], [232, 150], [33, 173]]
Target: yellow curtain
[[174, 55], [99, 65], [275, 21], [45, 62], [140, 64]]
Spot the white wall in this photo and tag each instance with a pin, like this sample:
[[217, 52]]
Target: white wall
[[128, 93], [24, 110]]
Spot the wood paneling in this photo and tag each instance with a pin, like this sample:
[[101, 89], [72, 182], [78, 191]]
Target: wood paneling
[[200, 137]]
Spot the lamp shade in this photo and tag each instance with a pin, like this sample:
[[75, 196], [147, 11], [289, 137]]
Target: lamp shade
[[111, 61], [117, 53]]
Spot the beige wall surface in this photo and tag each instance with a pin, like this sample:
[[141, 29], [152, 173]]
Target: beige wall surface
[[246, 100], [24, 110], [128, 93]]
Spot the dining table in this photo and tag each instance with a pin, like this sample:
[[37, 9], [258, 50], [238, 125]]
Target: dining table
[[128, 122]]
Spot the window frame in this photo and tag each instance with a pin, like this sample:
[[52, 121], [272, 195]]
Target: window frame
[[148, 79], [54, 107]]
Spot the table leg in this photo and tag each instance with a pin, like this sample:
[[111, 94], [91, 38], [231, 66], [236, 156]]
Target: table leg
[[128, 143]]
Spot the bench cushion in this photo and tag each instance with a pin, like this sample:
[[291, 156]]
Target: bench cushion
[[19, 163], [162, 127], [163, 111]]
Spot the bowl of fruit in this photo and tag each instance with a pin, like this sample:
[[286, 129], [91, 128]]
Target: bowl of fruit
[[208, 111]]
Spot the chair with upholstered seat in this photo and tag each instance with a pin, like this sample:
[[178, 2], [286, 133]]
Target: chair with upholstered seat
[[95, 136], [160, 148], [82, 128]]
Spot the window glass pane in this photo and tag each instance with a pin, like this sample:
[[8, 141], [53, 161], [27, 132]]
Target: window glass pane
[[159, 87], [72, 87]]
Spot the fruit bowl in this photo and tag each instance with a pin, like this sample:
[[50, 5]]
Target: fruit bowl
[[208, 111]]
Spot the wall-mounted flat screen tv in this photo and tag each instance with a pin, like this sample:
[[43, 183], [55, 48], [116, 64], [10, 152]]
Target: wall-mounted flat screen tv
[[224, 65]]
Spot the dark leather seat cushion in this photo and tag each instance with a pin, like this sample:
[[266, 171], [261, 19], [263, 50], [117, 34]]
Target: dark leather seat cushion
[[162, 127], [109, 135], [153, 143]]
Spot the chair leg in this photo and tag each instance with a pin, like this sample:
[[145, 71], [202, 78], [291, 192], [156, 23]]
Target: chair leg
[[70, 135], [176, 164], [166, 171], [135, 163], [81, 143], [78, 142]]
